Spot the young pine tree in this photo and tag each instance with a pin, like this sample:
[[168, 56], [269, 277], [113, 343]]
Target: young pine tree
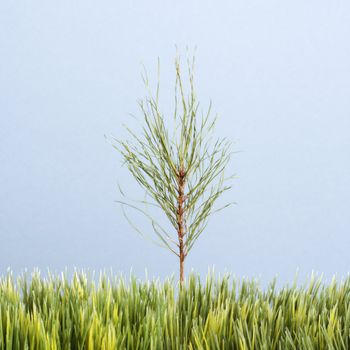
[[181, 169]]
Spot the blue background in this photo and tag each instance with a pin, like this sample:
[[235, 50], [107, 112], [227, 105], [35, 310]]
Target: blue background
[[278, 73]]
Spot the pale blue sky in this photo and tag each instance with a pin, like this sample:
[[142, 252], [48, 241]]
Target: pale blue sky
[[278, 74]]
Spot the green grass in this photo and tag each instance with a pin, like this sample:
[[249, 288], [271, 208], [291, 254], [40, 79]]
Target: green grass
[[115, 313]]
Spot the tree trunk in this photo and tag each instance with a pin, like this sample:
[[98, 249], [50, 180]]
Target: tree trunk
[[182, 261], [181, 221]]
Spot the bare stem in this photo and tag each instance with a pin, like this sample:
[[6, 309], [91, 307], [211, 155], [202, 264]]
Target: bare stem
[[180, 219]]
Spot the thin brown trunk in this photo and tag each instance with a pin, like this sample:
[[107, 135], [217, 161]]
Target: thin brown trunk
[[181, 221], [182, 261]]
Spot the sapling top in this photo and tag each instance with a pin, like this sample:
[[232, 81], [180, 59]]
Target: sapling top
[[181, 168]]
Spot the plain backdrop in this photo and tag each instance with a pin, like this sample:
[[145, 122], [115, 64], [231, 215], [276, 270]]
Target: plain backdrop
[[278, 75]]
